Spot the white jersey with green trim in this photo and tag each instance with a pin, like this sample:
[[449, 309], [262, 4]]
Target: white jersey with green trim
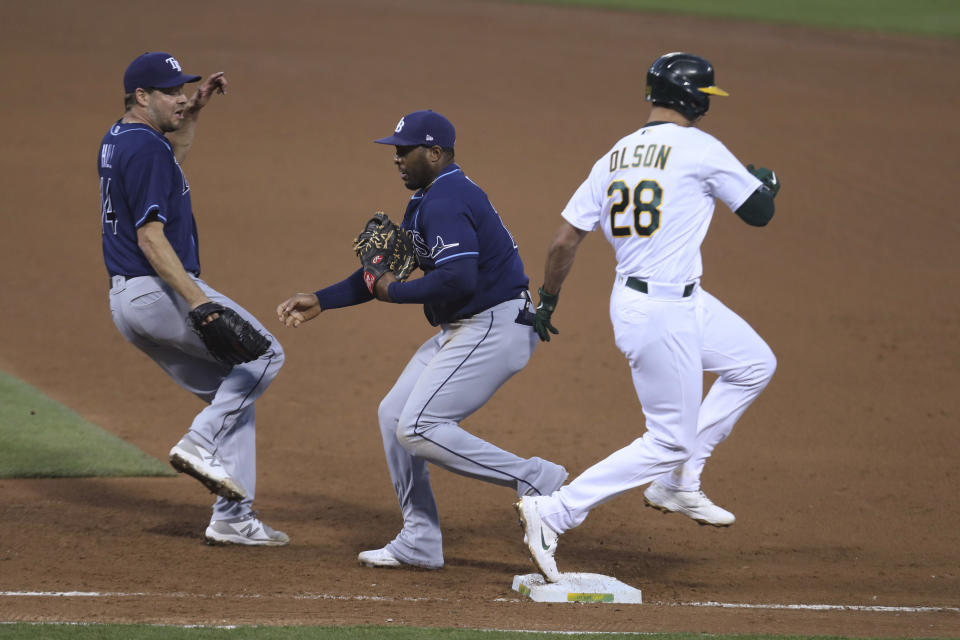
[[653, 195]]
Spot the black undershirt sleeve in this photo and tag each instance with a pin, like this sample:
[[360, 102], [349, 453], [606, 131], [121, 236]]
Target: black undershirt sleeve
[[758, 208]]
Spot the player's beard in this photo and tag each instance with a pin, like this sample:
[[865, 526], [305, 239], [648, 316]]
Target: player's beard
[[165, 119], [171, 124], [417, 174]]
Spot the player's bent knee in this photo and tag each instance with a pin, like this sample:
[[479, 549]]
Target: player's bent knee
[[756, 374], [388, 414], [671, 449], [762, 370], [406, 432], [411, 431], [408, 438], [278, 357], [770, 365]]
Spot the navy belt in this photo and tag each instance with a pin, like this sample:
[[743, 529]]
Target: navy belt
[[641, 285]]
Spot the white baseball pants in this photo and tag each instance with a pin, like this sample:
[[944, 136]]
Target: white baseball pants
[[669, 342]]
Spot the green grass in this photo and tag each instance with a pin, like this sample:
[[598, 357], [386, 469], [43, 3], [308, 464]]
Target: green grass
[[22, 631], [921, 17], [44, 439]]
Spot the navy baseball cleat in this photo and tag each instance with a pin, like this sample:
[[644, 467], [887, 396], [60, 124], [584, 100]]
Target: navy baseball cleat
[[192, 459]]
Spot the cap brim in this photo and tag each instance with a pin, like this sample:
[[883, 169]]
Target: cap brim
[[398, 140], [714, 91], [177, 81]]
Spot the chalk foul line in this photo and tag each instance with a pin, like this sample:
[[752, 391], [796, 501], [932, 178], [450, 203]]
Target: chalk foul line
[[328, 596]]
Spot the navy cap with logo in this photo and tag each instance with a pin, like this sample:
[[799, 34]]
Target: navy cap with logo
[[155, 70], [425, 127]]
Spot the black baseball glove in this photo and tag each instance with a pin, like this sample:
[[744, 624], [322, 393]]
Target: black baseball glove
[[229, 338], [383, 246]]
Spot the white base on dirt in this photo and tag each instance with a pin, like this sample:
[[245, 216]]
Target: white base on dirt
[[577, 587]]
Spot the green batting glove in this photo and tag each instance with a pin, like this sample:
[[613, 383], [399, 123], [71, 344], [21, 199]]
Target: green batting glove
[[541, 320], [767, 177]]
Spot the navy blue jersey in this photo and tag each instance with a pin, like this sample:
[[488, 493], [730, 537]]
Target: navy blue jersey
[[140, 180], [454, 220]]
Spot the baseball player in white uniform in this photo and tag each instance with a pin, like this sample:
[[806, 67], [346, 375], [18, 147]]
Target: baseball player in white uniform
[[652, 194]]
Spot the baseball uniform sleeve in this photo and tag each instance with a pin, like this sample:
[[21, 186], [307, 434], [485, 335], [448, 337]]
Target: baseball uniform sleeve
[[726, 178], [586, 205], [148, 180], [450, 268], [448, 231], [449, 281], [346, 293]]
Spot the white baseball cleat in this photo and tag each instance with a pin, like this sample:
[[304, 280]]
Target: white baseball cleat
[[693, 504], [383, 559], [248, 530], [540, 539], [378, 558], [192, 459]]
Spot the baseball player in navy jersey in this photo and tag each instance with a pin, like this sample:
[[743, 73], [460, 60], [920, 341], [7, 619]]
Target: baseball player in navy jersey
[[652, 195], [475, 290], [150, 248]]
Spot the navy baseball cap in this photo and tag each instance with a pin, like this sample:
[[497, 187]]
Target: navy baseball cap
[[155, 69], [425, 127]]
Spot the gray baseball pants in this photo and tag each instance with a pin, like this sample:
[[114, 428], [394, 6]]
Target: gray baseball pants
[[152, 317], [452, 375]]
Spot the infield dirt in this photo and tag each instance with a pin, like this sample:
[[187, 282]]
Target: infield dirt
[[843, 476]]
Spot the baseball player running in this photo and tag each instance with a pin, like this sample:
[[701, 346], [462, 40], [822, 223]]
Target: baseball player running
[[653, 196], [475, 290], [160, 304]]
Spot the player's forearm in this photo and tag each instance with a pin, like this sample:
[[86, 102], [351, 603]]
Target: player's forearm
[[560, 256], [182, 139], [164, 260], [449, 281], [348, 292], [559, 262]]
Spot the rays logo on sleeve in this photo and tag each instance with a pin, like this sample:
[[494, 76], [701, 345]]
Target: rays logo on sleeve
[[418, 244], [424, 251], [440, 246]]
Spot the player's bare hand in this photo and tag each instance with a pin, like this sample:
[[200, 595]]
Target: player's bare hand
[[215, 83], [298, 309]]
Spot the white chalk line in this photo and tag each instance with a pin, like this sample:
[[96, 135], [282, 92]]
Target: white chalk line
[[327, 596], [178, 594], [816, 607]]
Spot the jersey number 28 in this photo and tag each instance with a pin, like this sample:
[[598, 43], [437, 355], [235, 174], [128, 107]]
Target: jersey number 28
[[646, 198]]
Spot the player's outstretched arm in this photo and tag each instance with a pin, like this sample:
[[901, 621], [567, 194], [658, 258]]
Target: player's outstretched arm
[[298, 309], [560, 257], [182, 139]]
